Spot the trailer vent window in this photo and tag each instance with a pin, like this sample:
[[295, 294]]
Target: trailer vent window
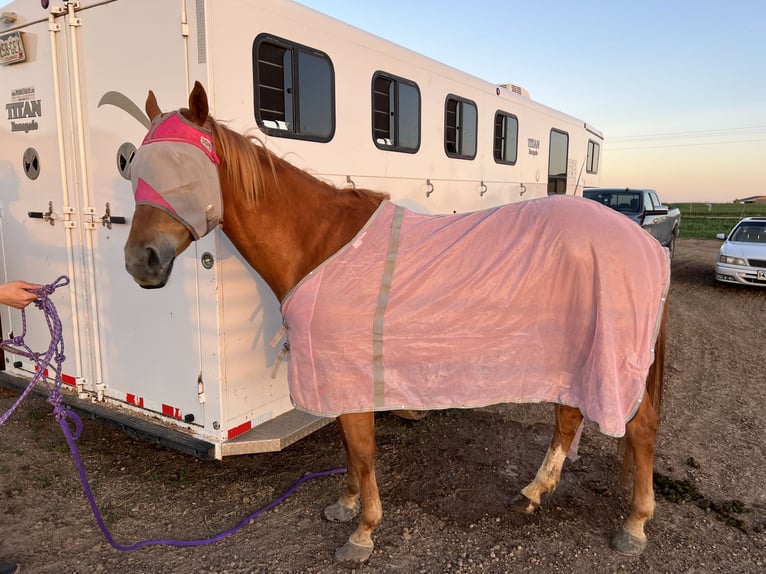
[[201, 33], [293, 89], [395, 113], [506, 146], [594, 148], [557, 163], [460, 127], [125, 154]]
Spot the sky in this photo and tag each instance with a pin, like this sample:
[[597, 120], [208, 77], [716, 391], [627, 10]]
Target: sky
[[678, 88]]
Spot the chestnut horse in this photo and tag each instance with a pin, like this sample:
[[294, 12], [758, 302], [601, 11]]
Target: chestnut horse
[[286, 223]]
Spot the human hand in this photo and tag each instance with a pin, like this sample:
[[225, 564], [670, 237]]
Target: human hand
[[16, 293]]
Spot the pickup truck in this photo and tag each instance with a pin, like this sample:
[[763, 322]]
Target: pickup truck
[[644, 207]]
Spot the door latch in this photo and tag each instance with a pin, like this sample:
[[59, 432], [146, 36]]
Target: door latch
[[107, 219], [48, 216]]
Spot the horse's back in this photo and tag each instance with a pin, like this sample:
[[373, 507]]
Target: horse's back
[[553, 300]]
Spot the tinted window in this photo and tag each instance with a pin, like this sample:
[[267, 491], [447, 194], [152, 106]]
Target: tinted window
[[409, 116], [505, 148], [395, 113], [294, 90], [625, 201], [460, 127], [315, 106], [594, 149], [753, 232], [557, 162]]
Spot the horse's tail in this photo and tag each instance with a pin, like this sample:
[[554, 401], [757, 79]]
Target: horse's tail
[[656, 378], [654, 385]]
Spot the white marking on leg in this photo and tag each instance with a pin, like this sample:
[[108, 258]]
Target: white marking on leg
[[548, 475]]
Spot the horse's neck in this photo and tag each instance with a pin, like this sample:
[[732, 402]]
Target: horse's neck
[[296, 224]]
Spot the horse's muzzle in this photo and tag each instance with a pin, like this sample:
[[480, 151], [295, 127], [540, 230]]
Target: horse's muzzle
[[150, 266]]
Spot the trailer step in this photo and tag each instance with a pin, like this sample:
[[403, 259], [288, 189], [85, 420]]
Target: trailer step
[[276, 434]]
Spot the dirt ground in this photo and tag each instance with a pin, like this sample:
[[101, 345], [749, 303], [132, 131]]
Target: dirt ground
[[446, 481]]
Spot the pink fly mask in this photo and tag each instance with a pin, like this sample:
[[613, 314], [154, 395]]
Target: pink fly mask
[[175, 170]]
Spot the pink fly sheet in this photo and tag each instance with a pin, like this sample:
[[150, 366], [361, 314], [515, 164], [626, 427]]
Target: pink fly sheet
[[556, 300]]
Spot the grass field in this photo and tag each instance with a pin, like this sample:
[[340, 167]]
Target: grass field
[[705, 220]]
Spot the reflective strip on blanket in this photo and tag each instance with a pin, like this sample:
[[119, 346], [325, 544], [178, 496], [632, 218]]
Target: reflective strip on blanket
[[550, 300]]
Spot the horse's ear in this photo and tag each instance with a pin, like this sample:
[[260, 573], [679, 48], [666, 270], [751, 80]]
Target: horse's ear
[[198, 108], [151, 106]]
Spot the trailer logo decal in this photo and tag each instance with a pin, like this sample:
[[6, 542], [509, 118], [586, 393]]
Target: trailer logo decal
[[24, 106], [124, 103]]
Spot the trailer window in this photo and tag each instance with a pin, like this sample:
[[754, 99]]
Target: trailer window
[[557, 162], [395, 113], [293, 87], [506, 144], [460, 127], [594, 149]]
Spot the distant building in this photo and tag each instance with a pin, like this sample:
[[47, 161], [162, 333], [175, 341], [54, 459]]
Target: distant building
[[752, 199]]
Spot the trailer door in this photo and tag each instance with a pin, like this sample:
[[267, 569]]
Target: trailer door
[[146, 343], [38, 239]]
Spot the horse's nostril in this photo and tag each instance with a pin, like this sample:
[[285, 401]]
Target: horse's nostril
[[152, 257]]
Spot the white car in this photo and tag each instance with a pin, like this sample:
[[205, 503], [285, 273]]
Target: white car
[[742, 258]]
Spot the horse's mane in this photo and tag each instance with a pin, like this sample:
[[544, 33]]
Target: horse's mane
[[243, 158]]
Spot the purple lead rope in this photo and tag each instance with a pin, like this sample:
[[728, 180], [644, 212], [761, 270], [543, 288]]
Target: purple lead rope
[[55, 354]]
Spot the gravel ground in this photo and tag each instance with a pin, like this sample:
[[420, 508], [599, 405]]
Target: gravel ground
[[446, 481]]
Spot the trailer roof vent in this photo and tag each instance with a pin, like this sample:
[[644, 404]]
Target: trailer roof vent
[[515, 89]]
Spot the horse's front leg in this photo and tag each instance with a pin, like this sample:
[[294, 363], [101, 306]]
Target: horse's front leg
[[358, 434], [547, 478]]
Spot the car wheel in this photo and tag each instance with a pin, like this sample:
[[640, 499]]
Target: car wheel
[[671, 246]]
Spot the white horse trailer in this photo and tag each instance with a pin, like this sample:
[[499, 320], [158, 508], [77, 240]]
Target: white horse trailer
[[191, 364]]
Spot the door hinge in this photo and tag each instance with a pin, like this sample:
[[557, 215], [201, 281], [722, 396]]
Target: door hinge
[[184, 25], [67, 213], [90, 214]]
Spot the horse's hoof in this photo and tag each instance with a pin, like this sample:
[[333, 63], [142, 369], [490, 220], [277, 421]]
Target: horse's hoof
[[524, 505], [625, 543], [339, 513], [410, 415], [351, 552]]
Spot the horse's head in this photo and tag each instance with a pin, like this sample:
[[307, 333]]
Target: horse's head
[[177, 190]]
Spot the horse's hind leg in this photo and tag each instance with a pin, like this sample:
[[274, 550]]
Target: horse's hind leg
[[641, 433], [641, 436], [547, 478], [358, 435]]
